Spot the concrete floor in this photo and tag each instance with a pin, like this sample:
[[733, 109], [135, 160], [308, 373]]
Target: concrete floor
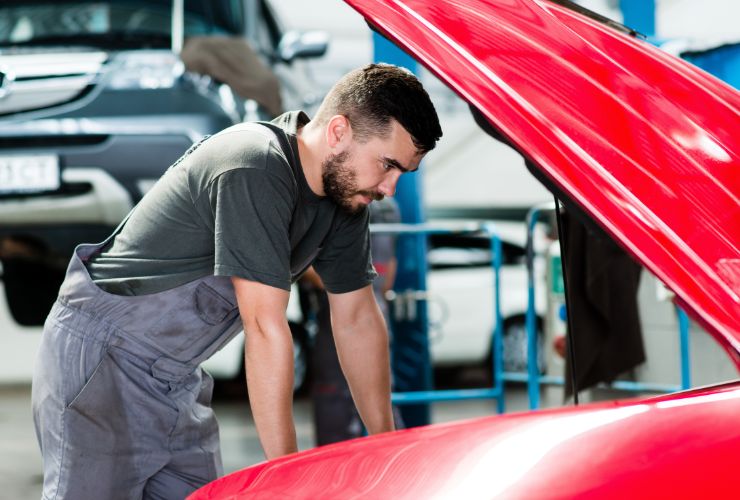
[[20, 462]]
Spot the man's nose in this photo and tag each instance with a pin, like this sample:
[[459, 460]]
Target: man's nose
[[388, 186]]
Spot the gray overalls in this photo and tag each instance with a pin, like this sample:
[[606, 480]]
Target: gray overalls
[[121, 406]]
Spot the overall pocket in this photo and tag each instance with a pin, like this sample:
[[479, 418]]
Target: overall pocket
[[113, 411], [195, 320], [85, 392], [212, 308]]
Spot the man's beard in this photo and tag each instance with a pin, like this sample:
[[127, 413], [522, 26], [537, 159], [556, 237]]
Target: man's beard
[[340, 183]]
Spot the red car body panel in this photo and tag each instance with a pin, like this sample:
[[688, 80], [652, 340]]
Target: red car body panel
[[684, 446], [647, 144], [649, 147]]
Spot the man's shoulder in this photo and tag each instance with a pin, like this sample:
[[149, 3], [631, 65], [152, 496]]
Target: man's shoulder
[[257, 132], [246, 141], [275, 131], [247, 146]]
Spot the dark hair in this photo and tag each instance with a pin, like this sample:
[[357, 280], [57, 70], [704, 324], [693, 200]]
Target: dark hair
[[373, 95]]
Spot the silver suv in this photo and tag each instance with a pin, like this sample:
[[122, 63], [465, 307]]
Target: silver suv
[[97, 99]]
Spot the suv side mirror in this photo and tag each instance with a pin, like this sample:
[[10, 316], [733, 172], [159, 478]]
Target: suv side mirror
[[302, 44]]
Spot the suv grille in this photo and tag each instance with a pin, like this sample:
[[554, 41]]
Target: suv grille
[[36, 81]]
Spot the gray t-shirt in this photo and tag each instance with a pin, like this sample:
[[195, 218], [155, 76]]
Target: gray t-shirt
[[237, 204]]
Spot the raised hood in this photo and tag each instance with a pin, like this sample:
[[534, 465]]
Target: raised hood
[[643, 142]]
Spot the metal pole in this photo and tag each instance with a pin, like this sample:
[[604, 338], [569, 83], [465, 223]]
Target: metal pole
[[498, 334], [178, 25], [683, 331], [533, 379], [251, 13]]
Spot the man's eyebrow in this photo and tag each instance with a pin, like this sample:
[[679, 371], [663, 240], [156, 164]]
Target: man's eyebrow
[[396, 164]]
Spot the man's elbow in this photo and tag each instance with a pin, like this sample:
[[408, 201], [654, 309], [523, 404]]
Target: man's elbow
[[264, 326]]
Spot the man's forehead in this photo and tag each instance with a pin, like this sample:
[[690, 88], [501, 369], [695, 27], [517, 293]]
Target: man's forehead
[[400, 148]]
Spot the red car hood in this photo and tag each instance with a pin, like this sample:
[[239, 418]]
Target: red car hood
[[646, 144], [679, 446]]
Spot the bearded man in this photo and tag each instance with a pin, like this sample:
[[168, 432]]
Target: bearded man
[[121, 406]]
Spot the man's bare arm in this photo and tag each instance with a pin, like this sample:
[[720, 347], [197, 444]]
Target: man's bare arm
[[361, 337], [269, 362]]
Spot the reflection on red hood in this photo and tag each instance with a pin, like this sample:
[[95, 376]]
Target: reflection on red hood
[[646, 144], [678, 446]]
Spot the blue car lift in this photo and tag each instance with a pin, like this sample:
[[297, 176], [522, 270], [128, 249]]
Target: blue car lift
[[415, 297]]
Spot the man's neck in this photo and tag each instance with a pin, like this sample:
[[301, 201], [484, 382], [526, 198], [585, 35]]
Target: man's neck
[[310, 153]]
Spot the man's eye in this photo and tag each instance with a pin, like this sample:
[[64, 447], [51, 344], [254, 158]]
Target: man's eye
[[386, 166]]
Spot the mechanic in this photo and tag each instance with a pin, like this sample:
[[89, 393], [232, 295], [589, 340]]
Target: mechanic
[[121, 407]]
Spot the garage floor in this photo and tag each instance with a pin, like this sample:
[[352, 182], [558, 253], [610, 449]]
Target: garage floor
[[20, 463]]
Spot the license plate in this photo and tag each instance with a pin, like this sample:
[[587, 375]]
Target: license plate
[[29, 173]]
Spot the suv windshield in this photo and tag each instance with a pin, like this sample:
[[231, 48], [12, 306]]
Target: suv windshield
[[113, 23]]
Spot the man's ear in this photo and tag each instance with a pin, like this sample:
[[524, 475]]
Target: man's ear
[[338, 133]]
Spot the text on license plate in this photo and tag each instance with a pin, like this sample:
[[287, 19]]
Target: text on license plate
[[29, 173]]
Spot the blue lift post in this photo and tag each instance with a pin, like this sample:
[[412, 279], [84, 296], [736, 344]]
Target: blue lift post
[[683, 328], [411, 360], [723, 62], [639, 15]]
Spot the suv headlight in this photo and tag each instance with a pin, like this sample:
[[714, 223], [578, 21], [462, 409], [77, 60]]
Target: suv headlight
[[145, 70]]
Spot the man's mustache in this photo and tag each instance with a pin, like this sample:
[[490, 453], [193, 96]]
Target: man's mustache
[[373, 195]]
